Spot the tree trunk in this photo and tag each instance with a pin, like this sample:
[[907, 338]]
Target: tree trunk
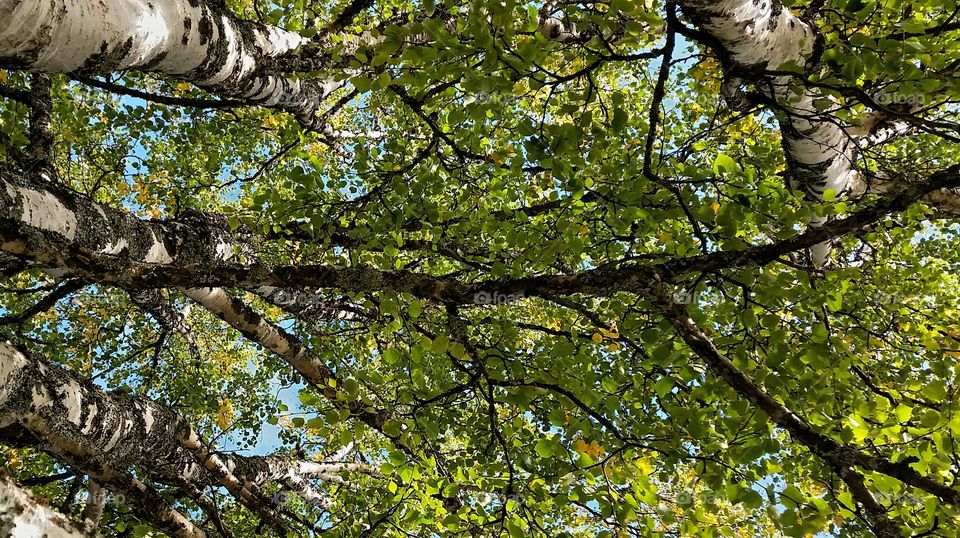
[[99, 434], [189, 40], [70, 234], [23, 516], [105, 435], [760, 36]]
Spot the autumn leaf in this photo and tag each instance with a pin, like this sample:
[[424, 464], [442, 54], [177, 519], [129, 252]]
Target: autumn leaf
[[225, 414]]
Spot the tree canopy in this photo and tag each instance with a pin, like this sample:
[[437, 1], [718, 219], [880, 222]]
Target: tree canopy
[[441, 268]]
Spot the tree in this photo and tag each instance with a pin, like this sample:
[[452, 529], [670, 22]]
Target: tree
[[611, 268]]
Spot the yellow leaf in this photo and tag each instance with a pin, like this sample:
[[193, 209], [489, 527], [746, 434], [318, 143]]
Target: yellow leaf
[[715, 206], [183, 86], [3, 76], [592, 449], [271, 122], [644, 466], [584, 230], [225, 414]]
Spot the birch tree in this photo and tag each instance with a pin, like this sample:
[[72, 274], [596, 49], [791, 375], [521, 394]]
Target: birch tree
[[384, 268]]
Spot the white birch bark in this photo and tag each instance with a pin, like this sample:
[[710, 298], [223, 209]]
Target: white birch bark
[[285, 345], [763, 35], [95, 433], [44, 406], [23, 516], [760, 36], [190, 40], [55, 228]]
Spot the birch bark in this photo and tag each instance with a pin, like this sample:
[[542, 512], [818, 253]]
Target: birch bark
[[759, 36], [107, 434], [190, 40], [23, 516]]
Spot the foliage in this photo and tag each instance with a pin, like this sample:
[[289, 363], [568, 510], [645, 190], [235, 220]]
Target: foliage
[[505, 156]]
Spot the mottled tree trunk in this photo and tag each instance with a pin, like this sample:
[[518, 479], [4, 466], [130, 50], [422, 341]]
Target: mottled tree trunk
[[756, 38], [288, 347], [64, 232], [190, 40], [23, 516], [760, 36], [69, 234], [55, 228], [99, 434], [106, 435]]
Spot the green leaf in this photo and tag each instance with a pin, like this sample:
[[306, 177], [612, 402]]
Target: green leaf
[[440, 344], [361, 83], [351, 387], [392, 428], [544, 448], [620, 119], [935, 390], [724, 164]]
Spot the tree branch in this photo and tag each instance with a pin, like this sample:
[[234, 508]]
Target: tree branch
[[189, 102], [198, 253], [841, 458]]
